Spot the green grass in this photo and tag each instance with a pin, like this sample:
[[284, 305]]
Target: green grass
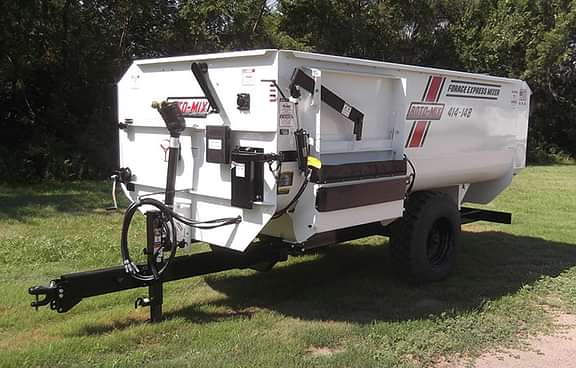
[[344, 307]]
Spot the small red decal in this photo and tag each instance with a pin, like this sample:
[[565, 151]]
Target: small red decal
[[425, 111]]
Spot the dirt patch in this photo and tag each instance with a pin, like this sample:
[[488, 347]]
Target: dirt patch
[[322, 351], [24, 339], [556, 350]]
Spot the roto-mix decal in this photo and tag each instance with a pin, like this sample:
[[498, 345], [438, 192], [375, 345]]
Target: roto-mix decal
[[424, 112], [192, 107]]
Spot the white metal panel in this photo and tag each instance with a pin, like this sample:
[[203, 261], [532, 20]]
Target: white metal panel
[[207, 185], [457, 128]]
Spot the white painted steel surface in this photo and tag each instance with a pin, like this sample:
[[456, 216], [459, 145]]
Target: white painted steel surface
[[464, 133]]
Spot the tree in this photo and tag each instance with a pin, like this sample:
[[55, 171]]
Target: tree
[[534, 41], [61, 59], [58, 77]]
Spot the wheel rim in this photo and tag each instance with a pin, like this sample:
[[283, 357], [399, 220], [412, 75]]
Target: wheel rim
[[439, 242]]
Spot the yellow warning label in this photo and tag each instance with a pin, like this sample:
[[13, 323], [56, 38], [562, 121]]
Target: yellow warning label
[[314, 162]]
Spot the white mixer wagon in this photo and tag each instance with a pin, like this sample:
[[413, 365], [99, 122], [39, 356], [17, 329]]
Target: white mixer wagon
[[298, 151]]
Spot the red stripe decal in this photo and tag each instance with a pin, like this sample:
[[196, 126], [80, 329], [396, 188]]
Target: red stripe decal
[[425, 133], [419, 130], [410, 134], [426, 89], [434, 90]]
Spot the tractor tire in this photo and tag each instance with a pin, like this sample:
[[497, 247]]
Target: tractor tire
[[424, 241]]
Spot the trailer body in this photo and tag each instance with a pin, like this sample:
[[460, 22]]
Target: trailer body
[[463, 134]]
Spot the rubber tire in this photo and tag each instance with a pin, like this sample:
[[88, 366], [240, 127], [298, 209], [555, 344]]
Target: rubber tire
[[411, 236]]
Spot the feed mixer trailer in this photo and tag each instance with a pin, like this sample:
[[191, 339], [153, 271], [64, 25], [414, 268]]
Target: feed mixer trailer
[[269, 153]]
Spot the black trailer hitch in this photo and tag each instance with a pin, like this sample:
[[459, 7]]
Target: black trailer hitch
[[49, 292], [54, 295]]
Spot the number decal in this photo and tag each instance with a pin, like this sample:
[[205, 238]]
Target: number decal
[[460, 112]]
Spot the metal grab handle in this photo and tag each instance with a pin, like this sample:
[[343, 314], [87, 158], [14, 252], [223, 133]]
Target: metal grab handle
[[115, 179]]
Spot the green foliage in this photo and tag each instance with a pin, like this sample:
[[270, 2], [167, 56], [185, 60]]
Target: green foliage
[[60, 62], [61, 59], [403, 31], [535, 41]]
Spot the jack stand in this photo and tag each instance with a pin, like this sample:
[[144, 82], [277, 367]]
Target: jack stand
[[154, 301], [154, 249], [155, 294]]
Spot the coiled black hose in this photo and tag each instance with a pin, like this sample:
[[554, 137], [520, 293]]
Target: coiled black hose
[[168, 215]]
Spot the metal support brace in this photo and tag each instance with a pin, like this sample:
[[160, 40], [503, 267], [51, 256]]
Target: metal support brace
[[303, 80], [469, 215]]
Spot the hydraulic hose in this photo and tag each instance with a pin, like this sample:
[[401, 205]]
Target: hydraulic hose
[[168, 216], [294, 200], [412, 175]]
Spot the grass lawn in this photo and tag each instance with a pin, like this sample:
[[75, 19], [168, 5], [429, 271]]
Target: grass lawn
[[342, 308]]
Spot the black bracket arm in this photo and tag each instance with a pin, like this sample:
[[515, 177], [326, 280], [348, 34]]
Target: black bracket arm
[[200, 71], [256, 156], [303, 80]]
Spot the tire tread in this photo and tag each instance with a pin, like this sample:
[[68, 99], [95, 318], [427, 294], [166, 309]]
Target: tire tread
[[404, 230]]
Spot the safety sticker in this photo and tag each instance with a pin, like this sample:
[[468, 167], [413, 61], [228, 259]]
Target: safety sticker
[[346, 110], [248, 77], [240, 169], [287, 115], [514, 99], [523, 98], [135, 81], [314, 162]]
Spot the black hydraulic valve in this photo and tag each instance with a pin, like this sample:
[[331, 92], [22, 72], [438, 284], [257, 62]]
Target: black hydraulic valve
[[172, 116]]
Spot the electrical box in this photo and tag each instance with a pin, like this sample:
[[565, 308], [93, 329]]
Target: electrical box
[[218, 144], [247, 177]]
